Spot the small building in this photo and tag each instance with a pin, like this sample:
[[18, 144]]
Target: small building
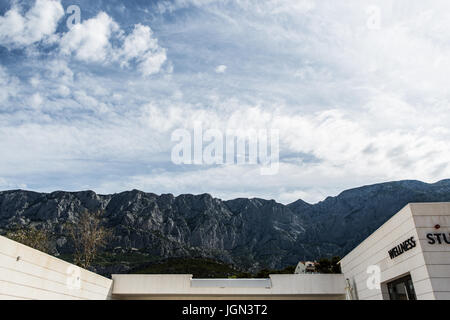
[[305, 267]]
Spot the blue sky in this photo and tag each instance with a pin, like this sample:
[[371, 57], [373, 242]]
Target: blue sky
[[358, 91]]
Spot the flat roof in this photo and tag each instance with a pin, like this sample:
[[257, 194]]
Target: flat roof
[[184, 284], [231, 283]]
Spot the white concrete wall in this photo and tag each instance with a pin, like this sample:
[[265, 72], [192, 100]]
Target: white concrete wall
[[299, 286], [26, 273], [436, 256], [428, 267]]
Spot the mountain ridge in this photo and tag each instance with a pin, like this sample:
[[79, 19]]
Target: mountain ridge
[[249, 233]]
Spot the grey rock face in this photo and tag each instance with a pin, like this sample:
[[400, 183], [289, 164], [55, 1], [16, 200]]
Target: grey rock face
[[249, 233]]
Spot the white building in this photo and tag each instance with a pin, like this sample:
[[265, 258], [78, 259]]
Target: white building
[[277, 286], [305, 267], [408, 257]]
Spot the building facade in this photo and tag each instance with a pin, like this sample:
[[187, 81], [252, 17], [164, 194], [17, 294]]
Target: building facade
[[408, 257], [29, 274], [183, 286]]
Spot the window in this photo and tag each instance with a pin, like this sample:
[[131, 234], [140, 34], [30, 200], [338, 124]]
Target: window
[[402, 289]]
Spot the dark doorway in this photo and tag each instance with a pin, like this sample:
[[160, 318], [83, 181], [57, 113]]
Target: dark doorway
[[402, 289]]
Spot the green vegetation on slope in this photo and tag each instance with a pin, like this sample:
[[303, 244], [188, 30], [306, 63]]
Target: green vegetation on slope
[[198, 267]]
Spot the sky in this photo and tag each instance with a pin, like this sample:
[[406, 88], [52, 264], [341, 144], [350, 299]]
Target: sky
[[357, 90]]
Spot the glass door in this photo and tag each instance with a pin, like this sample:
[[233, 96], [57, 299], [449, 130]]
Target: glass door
[[402, 289]]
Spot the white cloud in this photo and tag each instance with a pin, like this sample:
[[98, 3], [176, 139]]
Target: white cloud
[[90, 40], [59, 70], [35, 101], [348, 151], [151, 63], [34, 81], [143, 48], [310, 183], [221, 68], [311, 195], [266, 7], [38, 23], [353, 105], [63, 91], [274, 7], [7, 185], [96, 40], [9, 85]]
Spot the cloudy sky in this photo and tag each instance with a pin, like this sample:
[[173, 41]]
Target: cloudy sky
[[359, 92]]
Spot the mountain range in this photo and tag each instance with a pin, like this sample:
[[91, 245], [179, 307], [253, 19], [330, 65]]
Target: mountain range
[[249, 234]]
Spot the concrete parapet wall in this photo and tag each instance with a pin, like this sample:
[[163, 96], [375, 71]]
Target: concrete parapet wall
[[26, 273]]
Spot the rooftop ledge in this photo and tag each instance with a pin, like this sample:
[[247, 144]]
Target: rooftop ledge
[[184, 284], [231, 283]]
